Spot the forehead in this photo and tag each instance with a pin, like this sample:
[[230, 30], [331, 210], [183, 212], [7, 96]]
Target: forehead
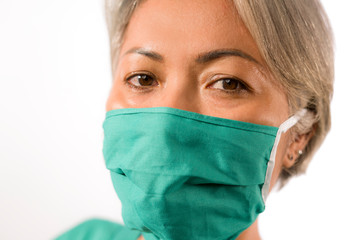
[[191, 26]]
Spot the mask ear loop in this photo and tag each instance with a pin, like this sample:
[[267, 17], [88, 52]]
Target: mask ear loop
[[270, 167]]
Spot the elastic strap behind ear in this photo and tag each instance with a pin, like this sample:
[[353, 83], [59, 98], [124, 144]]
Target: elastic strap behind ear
[[284, 127]]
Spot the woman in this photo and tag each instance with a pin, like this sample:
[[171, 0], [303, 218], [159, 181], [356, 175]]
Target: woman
[[211, 105]]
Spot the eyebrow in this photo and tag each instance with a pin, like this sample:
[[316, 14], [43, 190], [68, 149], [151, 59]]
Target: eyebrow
[[148, 53], [220, 53], [202, 58]]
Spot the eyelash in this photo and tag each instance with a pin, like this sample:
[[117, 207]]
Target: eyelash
[[240, 85]]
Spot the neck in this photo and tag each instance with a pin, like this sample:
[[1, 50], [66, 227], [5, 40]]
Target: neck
[[252, 233]]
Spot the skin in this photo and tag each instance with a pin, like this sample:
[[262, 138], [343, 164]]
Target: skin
[[184, 51]]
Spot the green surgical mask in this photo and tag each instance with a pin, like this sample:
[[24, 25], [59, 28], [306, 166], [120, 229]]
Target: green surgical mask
[[183, 175]]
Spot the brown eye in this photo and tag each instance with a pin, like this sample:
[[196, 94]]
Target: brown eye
[[145, 80], [230, 84], [142, 80]]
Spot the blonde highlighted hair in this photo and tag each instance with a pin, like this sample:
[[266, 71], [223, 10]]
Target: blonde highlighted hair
[[294, 38]]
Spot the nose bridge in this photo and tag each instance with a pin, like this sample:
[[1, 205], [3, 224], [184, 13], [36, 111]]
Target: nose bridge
[[181, 92]]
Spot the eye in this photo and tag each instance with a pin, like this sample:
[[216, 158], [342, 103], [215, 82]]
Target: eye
[[141, 80], [229, 84]]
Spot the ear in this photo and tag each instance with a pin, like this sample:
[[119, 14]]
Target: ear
[[296, 148]]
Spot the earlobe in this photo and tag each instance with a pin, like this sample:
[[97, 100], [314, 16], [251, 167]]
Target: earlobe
[[296, 148]]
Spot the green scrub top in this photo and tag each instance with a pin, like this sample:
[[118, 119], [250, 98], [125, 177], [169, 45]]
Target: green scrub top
[[98, 229]]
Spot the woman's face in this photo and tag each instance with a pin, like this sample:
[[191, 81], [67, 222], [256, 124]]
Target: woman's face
[[197, 57]]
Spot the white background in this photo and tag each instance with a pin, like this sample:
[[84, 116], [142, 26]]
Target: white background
[[54, 80]]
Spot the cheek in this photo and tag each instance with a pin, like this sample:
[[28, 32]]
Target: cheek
[[111, 101], [116, 98]]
